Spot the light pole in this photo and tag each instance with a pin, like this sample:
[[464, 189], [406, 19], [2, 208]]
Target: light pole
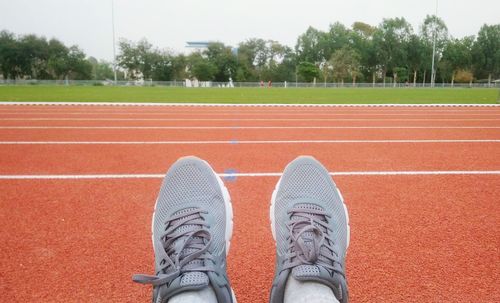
[[114, 43], [433, 72]]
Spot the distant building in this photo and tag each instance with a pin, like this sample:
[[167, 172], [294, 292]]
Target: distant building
[[198, 44], [202, 45]]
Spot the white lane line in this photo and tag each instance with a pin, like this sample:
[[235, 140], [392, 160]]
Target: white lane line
[[141, 104], [305, 111], [249, 127], [249, 113], [240, 142], [229, 175], [236, 119]]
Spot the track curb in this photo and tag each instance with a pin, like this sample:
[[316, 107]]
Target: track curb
[[28, 103]]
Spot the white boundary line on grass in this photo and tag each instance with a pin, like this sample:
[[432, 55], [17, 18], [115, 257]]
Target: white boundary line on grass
[[240, 105], [236, 175], [137, 113], [240, 142], [278, 110]]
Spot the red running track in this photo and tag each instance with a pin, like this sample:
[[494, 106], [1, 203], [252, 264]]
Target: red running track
[[154, 159], [251, 134], [414, 238]]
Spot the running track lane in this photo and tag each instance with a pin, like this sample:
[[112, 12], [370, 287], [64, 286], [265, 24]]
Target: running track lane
[[243, 115], [246, 134], [102, 108], [414, 239], [403, 272], [154, 159], [250, 122]]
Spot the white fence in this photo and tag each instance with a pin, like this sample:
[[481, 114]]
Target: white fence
[[204, 84]]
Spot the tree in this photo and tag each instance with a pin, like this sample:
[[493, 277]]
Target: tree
[[254, 51], [415, 50], [326, 70], [101, 70], [36, 58], [259, 59], [33, 55], [345, 63], [402, 74], [362, 42], [56, 62], [390, 40], [309, 46], [179, 67], [223, 59], [431, 27], [486, 51], [129, 58], [281, 66], [445, 71], [68, 63], [463, 76], [149, 57], [77, 67], [136, 58], [162, 65], [252, 58], [201, 68], [390, 49], [363, 29], [308, 71], [9, 50], [457, 55], [337, 37]]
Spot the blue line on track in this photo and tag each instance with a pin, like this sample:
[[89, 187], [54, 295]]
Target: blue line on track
[[230, 175]]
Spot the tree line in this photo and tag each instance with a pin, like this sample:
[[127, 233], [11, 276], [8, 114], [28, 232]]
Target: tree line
[[392, 51]]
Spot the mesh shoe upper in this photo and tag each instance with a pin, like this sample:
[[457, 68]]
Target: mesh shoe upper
[[311, 229], [190, 231]]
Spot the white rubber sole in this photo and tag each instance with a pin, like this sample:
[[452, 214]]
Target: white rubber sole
[[272, 218]]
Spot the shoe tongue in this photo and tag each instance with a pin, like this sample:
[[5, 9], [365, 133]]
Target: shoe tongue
[[194, 279], [308, 238], [306, 272]]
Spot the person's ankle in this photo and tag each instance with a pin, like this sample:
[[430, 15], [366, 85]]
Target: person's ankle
[[306, 292], [206, 295]]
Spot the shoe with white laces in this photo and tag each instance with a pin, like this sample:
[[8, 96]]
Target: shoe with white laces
[[310, 225], [191, 232]]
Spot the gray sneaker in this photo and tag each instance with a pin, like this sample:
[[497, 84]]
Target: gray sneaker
[[310, 225], [192, 227]]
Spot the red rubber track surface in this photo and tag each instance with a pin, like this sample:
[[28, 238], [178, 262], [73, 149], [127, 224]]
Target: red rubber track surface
[[154, 159], [413, 238], [245, 134], [242, 123]]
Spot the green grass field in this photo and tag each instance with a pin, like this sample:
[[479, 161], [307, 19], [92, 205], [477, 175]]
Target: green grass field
[[247, 95]]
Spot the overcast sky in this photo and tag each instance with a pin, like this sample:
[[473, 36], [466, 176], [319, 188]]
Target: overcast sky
[[169, 24]]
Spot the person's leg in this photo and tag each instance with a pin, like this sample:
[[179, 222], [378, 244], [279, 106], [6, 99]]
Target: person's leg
[[192, 227], [310, 225]]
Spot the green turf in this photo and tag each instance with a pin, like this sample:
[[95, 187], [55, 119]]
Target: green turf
[[246, 95]]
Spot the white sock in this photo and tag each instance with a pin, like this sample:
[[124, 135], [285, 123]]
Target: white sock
[[307, 292], [206, 295]]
